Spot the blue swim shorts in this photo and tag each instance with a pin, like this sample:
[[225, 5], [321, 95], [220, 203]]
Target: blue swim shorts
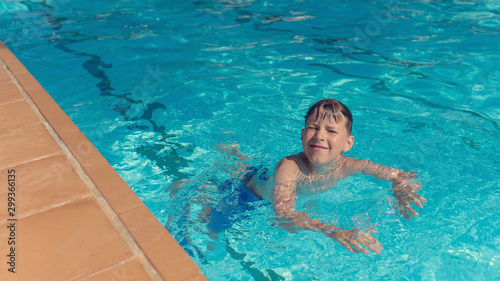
[[232, 208]]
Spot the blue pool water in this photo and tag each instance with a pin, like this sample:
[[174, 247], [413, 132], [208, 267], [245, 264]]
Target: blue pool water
[[158, 85]]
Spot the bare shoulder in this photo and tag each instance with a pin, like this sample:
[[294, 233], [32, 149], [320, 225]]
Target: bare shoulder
[[288, 167], [290, 163]]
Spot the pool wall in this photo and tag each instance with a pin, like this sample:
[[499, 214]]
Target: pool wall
[[71, 216]]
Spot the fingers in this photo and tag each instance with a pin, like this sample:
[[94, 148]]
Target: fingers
[[415, 201], [403, 208], [348, 247], [374, 241], [370, 242], [420, 198], [406, 209], [354, 240], [405, 214], [410, 210], [355, 243], [358, 247]]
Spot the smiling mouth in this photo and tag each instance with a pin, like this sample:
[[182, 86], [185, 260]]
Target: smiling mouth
[[317, 147]]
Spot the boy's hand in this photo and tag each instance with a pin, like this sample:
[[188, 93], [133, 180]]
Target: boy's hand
[[352, 240], [405, 192]]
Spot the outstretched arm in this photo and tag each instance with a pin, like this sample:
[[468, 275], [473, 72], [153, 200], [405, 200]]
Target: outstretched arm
[[284, 197], [404, 187]]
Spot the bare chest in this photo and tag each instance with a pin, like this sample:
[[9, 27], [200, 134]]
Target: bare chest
[[315, 183]]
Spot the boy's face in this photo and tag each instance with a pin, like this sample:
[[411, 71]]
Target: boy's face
[[324, 140]]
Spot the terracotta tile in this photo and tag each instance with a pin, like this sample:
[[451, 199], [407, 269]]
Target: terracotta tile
[[84, 151], [3, 76], [14, 65], [166, 255], [44, 182], [119, 195], [3, 47], [130, 271], [40, 97], [25, 143], [16, 114], [7, 55], [25, 78], [58, 119], [9, 93], [65, 242]]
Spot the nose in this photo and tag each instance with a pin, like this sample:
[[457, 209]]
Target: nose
[[320, 134]]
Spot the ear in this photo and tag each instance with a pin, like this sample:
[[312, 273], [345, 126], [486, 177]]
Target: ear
[[302, 135], [349, 143]]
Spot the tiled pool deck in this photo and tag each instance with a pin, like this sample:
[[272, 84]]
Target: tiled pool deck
[[74, 218]]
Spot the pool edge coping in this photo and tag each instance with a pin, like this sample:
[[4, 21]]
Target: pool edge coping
[[136, 225]]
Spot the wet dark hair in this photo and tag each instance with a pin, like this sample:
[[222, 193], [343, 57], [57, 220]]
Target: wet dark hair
[[331, 109]]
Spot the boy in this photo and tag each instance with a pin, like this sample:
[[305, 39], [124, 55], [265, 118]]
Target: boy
[[327, 134]]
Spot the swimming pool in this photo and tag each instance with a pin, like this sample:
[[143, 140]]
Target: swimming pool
[[156, 85]]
